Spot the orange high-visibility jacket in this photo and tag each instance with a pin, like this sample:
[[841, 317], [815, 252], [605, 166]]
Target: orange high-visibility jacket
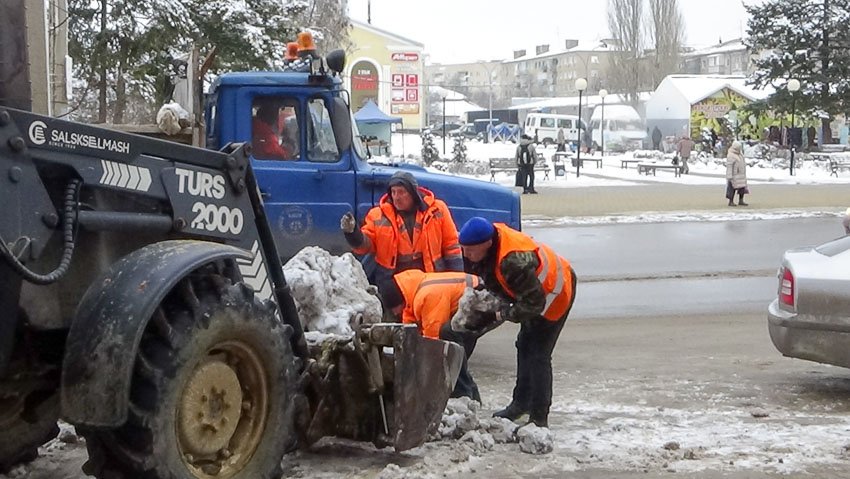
[[554, 272], [434, 236], [431, 299]]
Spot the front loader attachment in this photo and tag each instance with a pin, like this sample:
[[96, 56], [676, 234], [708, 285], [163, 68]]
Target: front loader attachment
[[387, 385]]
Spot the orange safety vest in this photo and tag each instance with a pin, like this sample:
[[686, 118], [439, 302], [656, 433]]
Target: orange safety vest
[[434, 235], [431, 299], [554, 272]]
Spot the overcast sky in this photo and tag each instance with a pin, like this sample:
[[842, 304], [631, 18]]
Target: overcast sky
[[469, 30]]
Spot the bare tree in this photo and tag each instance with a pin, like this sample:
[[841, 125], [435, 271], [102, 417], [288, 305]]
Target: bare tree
[[667, 30], [625, 20]]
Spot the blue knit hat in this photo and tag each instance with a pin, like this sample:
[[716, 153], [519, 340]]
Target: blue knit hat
[[476, 231]]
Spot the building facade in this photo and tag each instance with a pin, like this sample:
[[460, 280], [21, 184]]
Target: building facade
[[726, 58], [547, 73], [388, 69]]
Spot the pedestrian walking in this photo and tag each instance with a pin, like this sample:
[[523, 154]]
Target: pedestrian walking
[[409, 229], [538, 288], [656, 139], [561, 140], [429, 300], [684, 149], [736, 175], [526, 157]]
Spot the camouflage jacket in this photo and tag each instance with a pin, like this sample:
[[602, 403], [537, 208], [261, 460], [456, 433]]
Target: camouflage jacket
[[520, 272]]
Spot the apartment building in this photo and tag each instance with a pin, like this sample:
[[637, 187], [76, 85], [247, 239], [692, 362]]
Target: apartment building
[[726, 58], [547, 72]]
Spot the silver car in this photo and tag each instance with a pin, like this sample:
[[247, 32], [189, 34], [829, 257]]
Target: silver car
[[810, 318]]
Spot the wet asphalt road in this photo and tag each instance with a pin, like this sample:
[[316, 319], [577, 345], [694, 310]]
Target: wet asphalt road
[[661, 269]]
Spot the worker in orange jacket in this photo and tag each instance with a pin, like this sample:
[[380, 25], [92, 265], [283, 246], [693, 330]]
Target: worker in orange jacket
[[409, 229], [429, 300], [538, 290]]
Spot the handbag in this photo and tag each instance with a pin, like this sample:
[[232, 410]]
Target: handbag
[[730, 192], [520, 177]]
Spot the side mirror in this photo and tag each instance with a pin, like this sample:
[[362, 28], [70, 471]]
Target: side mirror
[[341, 121], [336, 60]]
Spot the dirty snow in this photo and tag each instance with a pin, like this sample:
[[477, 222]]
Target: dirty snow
[[330, 292], [535, 440], [471, 302]]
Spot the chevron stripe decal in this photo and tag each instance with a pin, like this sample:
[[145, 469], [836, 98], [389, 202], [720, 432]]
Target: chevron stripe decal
[[254, 273], [122, 175]]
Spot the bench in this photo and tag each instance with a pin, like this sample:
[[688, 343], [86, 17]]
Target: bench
[[624, 164], [509, 165], [598, 161], [838, 164], [645, 168]]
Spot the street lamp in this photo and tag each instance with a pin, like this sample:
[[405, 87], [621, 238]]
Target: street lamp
[[793, 87], [445, 94], [581, 84], [602, 94]]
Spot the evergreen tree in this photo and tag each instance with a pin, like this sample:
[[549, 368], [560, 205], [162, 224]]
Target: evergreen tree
[[807, 40], [429, 149], [459, 150]]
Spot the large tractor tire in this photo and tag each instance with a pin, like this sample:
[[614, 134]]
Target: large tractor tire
[[26, 423], [211, 390]]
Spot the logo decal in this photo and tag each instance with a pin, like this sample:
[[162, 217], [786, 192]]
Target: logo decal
[[37, 135], [295, 221], [254, 273], [125, 176]]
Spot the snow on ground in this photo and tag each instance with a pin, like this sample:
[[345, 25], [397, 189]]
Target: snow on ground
[[674, 216], [708, 172]]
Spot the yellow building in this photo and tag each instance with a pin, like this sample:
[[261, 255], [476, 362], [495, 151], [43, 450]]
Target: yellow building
[[386, 68]]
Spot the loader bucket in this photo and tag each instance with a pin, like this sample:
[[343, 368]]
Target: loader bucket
[[388, 385]]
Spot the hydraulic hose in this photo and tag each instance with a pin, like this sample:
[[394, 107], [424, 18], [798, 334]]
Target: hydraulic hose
[[70, 211]]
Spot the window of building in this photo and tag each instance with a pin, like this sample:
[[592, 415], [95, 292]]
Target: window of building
[[594, 73], [274, 128], [594, 59]]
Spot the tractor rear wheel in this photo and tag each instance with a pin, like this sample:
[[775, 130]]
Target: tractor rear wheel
[[211, 390]]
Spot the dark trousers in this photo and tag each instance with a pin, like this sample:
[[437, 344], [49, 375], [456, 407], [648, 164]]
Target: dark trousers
[[534, 345], [529, 177], [465, 385]]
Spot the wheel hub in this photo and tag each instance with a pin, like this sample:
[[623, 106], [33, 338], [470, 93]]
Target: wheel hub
[[223, 411], [210, 410]]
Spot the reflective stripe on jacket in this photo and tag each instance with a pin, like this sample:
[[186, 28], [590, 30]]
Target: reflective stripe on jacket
[[554, 272], [431, 299], [434, 236]]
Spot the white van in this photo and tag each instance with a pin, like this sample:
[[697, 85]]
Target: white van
[[544, 127], [624, 130]]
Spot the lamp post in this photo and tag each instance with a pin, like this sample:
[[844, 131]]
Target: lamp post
[[793, 87], [602, 94], [581, 84], [444, 124]]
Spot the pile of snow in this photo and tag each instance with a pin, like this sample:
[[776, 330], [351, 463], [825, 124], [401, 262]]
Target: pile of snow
[[330, 291], [470, 305], [460, 421]]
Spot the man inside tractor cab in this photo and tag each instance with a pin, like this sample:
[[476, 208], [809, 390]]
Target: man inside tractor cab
[[265, 141]]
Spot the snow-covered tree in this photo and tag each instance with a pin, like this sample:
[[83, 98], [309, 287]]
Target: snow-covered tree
[[459, 150], [625, 21], [430, 153], [807, 40]]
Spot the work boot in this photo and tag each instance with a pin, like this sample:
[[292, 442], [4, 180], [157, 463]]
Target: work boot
[[511, 413], [538, 420]]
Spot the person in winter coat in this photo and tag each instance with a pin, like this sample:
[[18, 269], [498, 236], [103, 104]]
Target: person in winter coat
[[561, 140], [264, 139], [409, 229], [538, 288], [736, 175], [656, 139], [684, 148], [429, 300], [526, 157]]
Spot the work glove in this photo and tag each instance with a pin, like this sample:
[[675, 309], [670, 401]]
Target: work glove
[[347, 223], [476, 323]]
